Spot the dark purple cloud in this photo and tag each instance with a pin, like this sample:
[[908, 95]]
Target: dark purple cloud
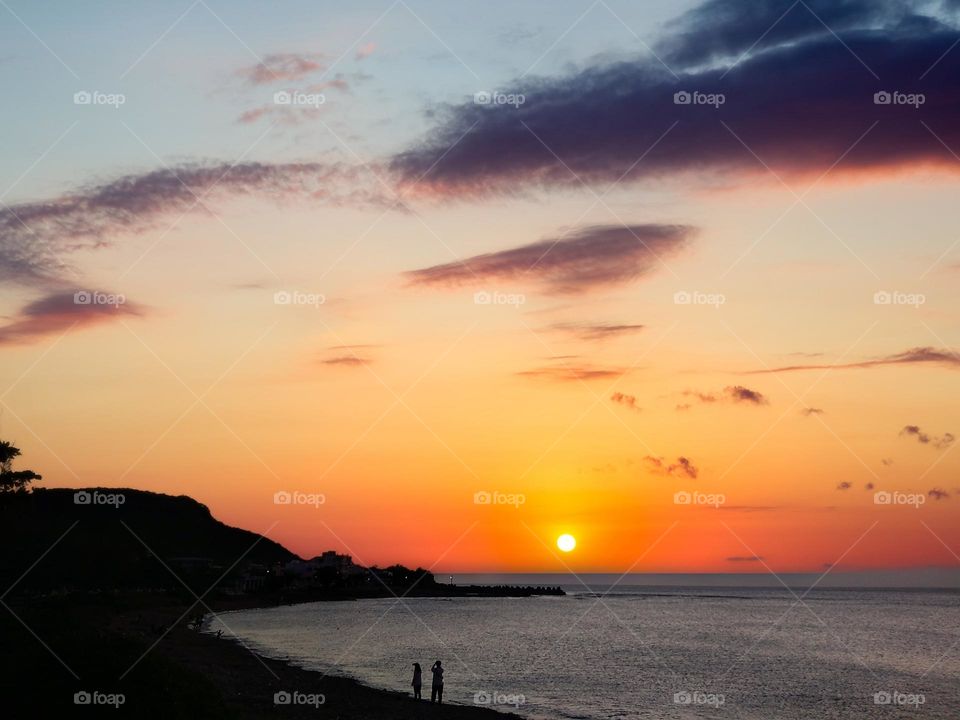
[[57, 313], [745, 558], [602, 120], [844, 485], [913, 356], [940, 443], [732, 393], [592, 257], [741, 394], [938, 494], [36, 236], [725, 30]]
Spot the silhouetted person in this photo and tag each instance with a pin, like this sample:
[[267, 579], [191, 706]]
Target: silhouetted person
[[417, 681], [436, 689]]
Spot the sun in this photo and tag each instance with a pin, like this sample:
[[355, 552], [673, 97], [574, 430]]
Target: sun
[[566, 542]]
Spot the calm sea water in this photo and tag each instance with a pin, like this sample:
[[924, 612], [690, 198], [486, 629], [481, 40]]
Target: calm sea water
[[642, 652]]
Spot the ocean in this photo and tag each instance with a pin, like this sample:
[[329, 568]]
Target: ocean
[[641, 652]]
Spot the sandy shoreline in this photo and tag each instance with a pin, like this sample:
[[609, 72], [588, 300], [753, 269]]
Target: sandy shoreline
[[248, 682]]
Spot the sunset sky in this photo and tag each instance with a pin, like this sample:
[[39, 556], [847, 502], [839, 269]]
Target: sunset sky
[[491, 250]]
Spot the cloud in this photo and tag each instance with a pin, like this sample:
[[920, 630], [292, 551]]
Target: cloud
[[732, 393], [629, 401], [283, 67], [721, 29], [745, 558], [365, 51], [886, 462], [35, 236], [597, 331], [868, 486], [940, 443], [913, 356], [844, 485], [587, 258], [810, 411], [741, 394], [563, 373], [683, 467], [618, 122], [346, 360], [57, 312], [938, 494]]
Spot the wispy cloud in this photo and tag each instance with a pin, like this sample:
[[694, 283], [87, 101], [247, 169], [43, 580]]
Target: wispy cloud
[[36, 237], [346, 360], [566, 373], [745, 558], [58, 312], [283, 67], [585, 259], [912, 356], [597, 331]]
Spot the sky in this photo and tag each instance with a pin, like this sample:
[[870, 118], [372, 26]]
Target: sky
[[436, 285]]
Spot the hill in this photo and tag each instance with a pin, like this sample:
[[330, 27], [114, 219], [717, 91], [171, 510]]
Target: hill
[[100, 538]]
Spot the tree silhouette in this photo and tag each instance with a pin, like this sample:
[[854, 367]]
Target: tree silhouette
[[13, 481]]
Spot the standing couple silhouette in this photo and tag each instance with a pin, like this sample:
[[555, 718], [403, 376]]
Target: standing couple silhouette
[[436, 688]]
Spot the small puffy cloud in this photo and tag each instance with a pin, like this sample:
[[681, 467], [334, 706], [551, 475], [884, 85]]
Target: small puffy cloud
[[940, 443], [628, 401], [938, 494], [283, 67], [683, 467], [811, 411], [844, 485]]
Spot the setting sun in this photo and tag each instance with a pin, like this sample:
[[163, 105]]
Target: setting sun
[[566, 542]]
